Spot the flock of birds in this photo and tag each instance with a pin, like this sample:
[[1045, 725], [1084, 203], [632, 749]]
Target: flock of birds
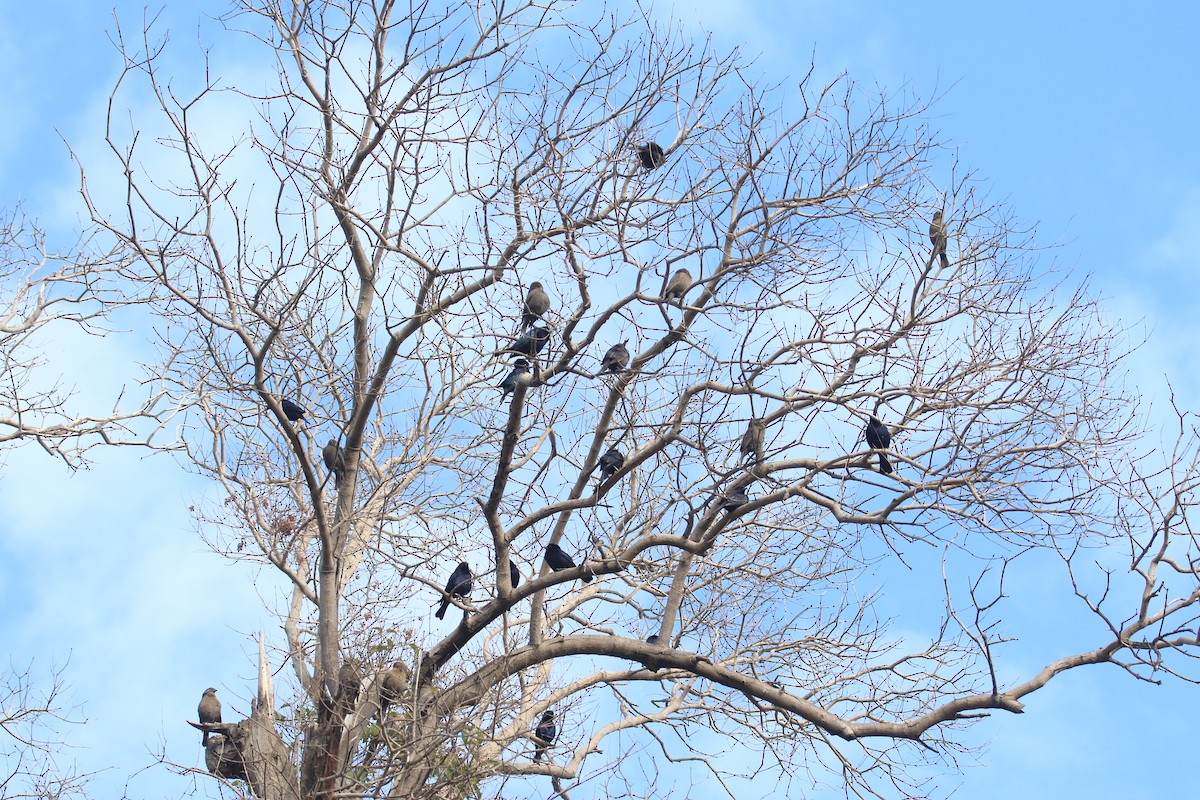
[[526, 346]]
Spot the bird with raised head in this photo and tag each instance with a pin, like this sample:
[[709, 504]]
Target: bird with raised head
[[209, 711]]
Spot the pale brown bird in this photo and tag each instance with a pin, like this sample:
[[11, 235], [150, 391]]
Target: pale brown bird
[[537, 302], [335, 461], [395, 684], [616, 359], [938, 237], [752, 440], [677, 287], [209, 711]]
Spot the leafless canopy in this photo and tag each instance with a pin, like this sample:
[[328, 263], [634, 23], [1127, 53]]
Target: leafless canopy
[[359, 237]]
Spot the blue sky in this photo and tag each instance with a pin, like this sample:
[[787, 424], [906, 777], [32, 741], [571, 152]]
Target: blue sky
[[1083, 124]]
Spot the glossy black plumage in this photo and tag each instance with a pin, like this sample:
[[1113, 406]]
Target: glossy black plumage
[[879, 438], [557, 559], [544, 735], [459, 585]]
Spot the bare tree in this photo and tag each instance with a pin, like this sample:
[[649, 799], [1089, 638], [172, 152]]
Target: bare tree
[[361, 246], [33, 760]]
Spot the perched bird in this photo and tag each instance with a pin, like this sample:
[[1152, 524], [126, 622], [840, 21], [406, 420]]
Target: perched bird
[[209, 710], [879, 438], [514, 574], [558, 560], [529, 344], [653, 664], [938, 237], [652, 638], [395, 684], [677, 287], [459, 586], [616, 359], [537, 302], [509, 384], [609, 463], [335, 461], [651, 155], [544, 735], [752, 440], [290, 410], [734, 500]]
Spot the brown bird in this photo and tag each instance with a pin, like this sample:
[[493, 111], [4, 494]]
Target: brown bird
[[209, 710], [395, 684], [335, 461], [677, 287], [537, 302], [752, 440], [938, 238], [616, 358]]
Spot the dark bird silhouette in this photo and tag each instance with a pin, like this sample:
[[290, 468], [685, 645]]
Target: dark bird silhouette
[[616, 359], [459, 585], [514, 574], [732, 501], [290, 410], [752, 440], [651, 155], [677, 287], [335, 461], [558, 560], [537, 302], [938, 237], [652, 638], [509, 384], [652, 664], [209, 710], [529, 344], [544, 735], [609, 463], [394, 686], [879, 438]]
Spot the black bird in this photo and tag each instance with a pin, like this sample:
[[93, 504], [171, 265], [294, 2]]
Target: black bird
[[734, 500], [537, 302], [652, 664], [544, 735], [290, 410], [514, 574], [509, 384], [879, 438], [677, 287], [616, 358], [609, 463], [529, 344], [752, 440], [651, 155], [458, 586], [335, 461], [209, 710], [558, 560], [938, 237], [652, 638]]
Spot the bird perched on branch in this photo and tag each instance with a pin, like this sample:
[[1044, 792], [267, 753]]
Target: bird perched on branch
[[514, 574], [732, 501], [558, 560], [537, 302], [677, 287], [292, 411], [938, 237], [394, 686], [544, 735], [209, 711], [752, 439], [459, 585], [529, 344], [509, 384], [609, 463], [651, 155], [335, 461], [616, 358], [879, 438]]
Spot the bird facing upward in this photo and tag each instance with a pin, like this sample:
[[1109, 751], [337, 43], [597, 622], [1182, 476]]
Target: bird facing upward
[[537, 302], [459, 586], [209, 711]]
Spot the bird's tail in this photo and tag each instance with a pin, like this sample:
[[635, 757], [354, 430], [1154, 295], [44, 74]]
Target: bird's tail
[[441, 612], [884, 465], [945, 259]]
